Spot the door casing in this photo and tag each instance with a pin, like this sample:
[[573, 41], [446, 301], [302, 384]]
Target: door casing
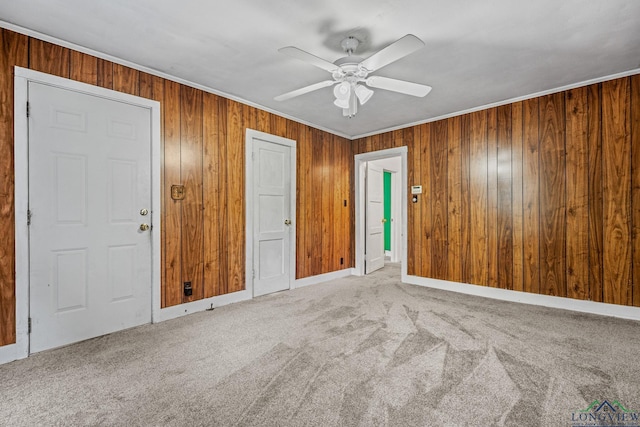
[[21, 158], [360, 160], [249, 204]]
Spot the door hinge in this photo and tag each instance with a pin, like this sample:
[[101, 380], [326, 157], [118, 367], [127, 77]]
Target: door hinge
[[28, 109], [253, 272], [28, 216], [29, 326]]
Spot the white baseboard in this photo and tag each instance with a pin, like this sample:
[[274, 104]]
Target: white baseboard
[[9, 353], [591, 307], [320, 278], [200, 305]]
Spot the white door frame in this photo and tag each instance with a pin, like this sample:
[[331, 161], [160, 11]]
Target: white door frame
[[360, 160], [21, 158], [250, 135]]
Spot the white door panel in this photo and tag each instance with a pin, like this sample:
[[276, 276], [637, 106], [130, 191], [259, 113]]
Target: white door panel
[[89, 177], [272, 198], [374, 238]]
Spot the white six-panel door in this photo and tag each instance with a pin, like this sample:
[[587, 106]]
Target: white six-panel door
[[89, 193], [272, 222], [374, 225]]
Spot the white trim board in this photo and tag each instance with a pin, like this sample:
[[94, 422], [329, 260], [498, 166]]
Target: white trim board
[[563, 303], [321, 278]]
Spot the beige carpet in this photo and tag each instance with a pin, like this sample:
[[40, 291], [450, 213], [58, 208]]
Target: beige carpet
[[352, 352]]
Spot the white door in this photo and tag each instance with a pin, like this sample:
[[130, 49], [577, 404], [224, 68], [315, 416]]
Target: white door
[[374, 218], [89, 193], [272, 222]]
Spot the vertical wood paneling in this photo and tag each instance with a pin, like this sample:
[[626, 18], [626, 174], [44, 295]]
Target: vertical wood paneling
[[327, 202], [425, 221], [439, 192], [172, 218], [250, 115], [84, 68], [387, 140], [348, 228], [211, 191], [125, 79], [478, 197], [413, 209], [375, 143], [594, 137], [313, 185], [552, 195], [465, 198], [317, 199], [336, 178], [303, 212], [278, 126], [235, 197], [13, 51], [398, 138], [531, 196], [505, 202], [492, 197], [517, 139], [616, 178], [223, 202], [301, 149], [454, 208], [104, 73], [49, 58], [635, 185], [264, 122], [577, 175]]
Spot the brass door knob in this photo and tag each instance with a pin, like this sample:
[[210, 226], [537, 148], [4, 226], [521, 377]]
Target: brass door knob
[[144, 227], [144, 212], [384, 220], [287, 222]]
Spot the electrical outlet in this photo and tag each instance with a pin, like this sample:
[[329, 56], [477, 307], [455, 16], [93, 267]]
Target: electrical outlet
[[188, 290]]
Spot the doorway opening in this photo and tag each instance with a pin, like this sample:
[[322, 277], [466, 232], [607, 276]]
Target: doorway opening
[[394, 162]]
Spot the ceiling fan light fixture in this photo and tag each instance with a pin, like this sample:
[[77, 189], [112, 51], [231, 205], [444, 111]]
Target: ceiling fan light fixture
[[343, 95], [342, 103], [363, 93], [342, 91]]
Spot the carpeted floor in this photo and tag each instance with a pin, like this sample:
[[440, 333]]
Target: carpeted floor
[[352, 352]]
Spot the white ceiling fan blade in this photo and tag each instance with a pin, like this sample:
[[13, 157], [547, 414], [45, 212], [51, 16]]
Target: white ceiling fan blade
[[396, 50], [396, 85], [305, 89], [300, 54]]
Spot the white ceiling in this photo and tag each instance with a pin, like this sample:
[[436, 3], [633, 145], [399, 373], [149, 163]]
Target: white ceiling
[[477, 52]]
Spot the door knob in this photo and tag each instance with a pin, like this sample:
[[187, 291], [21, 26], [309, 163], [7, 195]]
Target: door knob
[[144, 212], [384, 220], [287, 222], [144, 227]]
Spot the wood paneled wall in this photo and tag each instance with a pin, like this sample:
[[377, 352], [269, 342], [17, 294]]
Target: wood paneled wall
[[203, 139], [540, 196]]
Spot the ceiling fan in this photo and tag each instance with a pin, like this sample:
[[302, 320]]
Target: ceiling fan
[[351, 73]]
